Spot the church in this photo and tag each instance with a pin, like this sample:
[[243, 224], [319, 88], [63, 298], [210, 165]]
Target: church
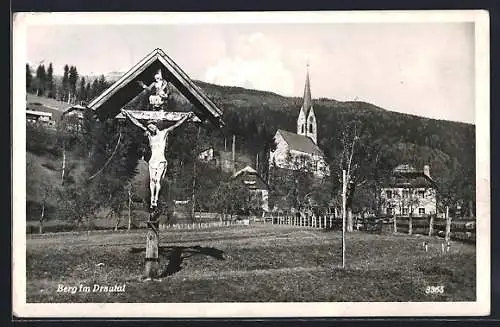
[[300, 151]]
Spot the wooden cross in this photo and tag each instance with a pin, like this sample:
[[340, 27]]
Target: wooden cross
[[158, 115], [152, 239]]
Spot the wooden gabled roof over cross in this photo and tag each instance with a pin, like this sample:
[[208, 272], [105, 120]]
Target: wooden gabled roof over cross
[[109, 103]]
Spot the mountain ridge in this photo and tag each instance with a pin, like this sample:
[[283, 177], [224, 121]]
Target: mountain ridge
[[216, 90]]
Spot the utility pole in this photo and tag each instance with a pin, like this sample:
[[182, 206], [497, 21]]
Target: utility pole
[[344, 191], [193, 192], [234, 153]]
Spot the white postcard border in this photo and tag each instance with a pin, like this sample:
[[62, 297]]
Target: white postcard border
[[335, 309]]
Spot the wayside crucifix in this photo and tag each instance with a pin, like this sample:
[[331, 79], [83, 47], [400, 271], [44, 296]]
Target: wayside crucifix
[[110, 105]]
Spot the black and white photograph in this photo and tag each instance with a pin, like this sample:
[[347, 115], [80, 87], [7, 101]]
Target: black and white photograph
[[251, 164]]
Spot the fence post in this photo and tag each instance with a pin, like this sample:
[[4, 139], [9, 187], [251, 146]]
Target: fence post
[[431, 225], [395, 221], [410, 224], [448, 225]]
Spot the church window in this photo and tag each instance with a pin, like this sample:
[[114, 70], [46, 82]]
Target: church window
[[302, 129], [310, 128]]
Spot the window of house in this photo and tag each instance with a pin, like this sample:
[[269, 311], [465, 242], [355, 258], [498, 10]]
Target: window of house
[[302, 128], [406, 194], [405, 211], [388, 194], [310, 128], [421, 211], [421, 193]]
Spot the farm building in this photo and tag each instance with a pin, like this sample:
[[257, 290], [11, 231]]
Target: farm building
[[297, 151], [33, 116], [73, 117], [76, 110], [207, 155], [257, 186], [409, 191]]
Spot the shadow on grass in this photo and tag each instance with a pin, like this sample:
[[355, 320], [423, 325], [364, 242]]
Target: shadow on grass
[[177, 254]]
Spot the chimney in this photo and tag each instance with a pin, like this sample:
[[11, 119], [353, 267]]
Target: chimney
[[427, 171]]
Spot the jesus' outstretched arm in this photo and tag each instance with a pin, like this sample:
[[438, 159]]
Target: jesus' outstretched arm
[[180, 122], [133, 120]]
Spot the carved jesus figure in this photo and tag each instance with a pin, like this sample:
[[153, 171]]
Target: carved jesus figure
[[157, 142]]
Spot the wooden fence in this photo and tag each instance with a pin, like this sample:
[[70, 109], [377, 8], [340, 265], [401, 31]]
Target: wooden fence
[[324, 221], [201, 225], [463, 229]]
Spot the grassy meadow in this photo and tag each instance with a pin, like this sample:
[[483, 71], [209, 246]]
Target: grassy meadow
[[256, 263]]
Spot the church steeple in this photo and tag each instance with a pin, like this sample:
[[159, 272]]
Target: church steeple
[[306, 122], [306, 106]]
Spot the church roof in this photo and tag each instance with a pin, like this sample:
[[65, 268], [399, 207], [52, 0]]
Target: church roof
[[300, 143], [109, 103], [307, 104]]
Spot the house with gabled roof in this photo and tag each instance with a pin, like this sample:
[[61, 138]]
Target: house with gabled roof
[[409, 191], [300, 151], [251, 179]]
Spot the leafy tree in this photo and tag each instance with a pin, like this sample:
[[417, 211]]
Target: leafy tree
[[40, 80], [72, 80], [88, 92], [39, 190], [50, 85], [65, 83], [231, 198], [292, 185], [82, 95], [29, 78]]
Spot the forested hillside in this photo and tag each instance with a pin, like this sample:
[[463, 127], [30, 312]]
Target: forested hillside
[[384, 139]]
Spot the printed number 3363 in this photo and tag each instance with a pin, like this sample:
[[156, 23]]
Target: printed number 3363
[[434, 289]]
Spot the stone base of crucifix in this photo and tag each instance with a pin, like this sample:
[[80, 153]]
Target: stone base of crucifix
[[152, 242]]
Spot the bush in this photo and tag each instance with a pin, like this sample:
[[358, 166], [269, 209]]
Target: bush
[[40, 139]]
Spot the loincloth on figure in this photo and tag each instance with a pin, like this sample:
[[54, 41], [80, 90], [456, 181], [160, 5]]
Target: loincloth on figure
[[157, 169]]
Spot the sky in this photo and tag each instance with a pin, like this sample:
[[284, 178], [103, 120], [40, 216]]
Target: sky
[[426, 69]]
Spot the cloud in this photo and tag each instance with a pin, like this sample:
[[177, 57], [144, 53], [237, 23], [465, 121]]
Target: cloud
[[253, 60]]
